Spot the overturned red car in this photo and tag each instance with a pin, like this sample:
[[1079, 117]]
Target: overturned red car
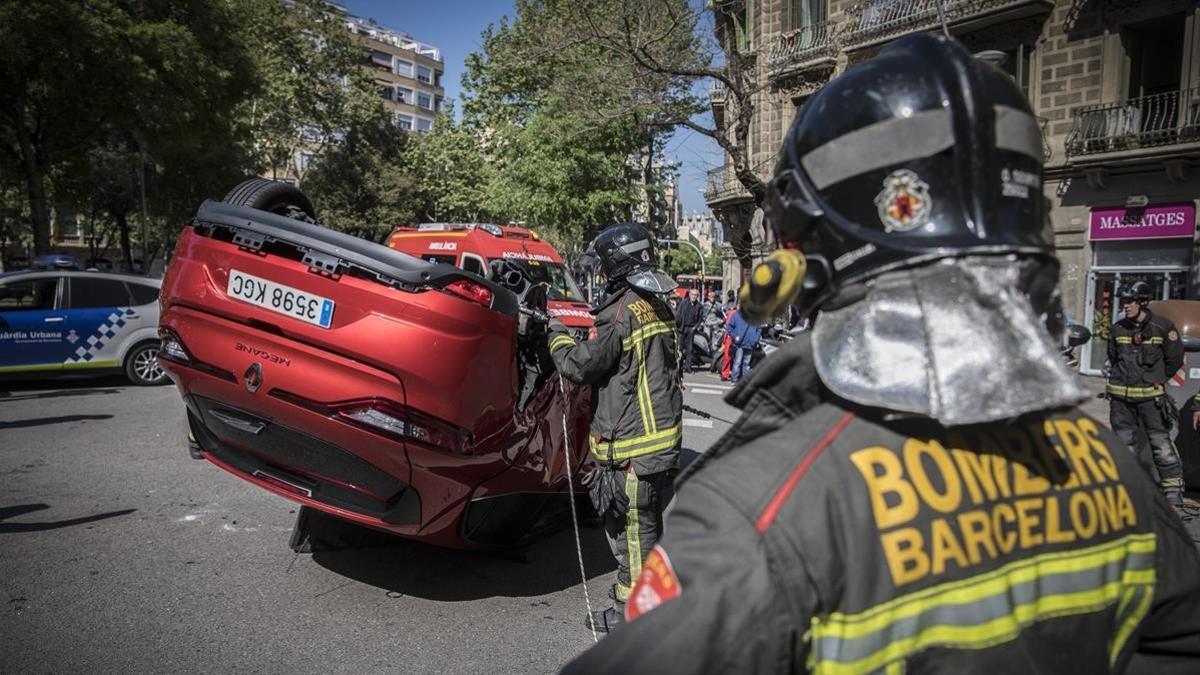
[[410, 396]]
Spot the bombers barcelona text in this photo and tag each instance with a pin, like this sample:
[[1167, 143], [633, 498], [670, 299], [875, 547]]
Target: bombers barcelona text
[[983, 496]]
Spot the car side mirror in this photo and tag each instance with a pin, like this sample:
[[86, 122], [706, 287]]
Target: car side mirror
[[1191, 343], [1077, 335]]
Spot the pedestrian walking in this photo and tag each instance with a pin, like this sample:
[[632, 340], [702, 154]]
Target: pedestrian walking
[[637, 423], [911, 487]]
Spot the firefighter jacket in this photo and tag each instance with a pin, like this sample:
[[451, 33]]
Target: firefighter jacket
[[633, 362], [820, 536], [1142, 356]]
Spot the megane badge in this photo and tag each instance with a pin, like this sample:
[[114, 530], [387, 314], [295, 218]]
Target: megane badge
[[253, 377]]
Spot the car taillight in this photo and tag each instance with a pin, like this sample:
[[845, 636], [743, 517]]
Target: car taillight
[[389, 419], [470, 290], [171, 347], [403, 423]]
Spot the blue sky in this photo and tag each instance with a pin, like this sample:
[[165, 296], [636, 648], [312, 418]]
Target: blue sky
[[454, 27]]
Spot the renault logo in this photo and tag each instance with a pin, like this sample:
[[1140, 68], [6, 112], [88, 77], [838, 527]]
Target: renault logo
[[253, 377]]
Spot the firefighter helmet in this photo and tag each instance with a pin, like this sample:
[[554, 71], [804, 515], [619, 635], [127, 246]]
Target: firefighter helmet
[[921, 153], [627, 252]]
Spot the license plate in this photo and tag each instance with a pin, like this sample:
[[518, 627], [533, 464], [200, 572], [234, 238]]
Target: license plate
[[279, 298]]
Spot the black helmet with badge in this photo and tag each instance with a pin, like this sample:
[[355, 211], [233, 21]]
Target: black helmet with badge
[[908, 203], [920, 153], [627, 252], [1138, 291]]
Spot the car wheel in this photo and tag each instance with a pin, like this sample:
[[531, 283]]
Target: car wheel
[[142, 367], [273, 196]]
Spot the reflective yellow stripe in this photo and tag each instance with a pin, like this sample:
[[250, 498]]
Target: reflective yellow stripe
[[1153, 341], [647, 331], [633, 543], [1127, 340], [991, 608], [1133, 392], [636, 447], [1124, 340], [1134, 604], [645, 403], [560, 341], [636, 341]]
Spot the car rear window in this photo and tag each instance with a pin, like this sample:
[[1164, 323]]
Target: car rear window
[[88, 293], [142, 294], [28, 294]]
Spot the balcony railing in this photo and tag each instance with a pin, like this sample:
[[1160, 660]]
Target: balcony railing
[[723, 183], [876, 20], [802, 46], [1149, 121]]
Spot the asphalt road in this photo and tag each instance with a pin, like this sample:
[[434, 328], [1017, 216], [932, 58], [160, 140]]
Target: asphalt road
[[120, 553]]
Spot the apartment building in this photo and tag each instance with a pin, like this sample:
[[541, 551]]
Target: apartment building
[[1114, 83], [408, 72]]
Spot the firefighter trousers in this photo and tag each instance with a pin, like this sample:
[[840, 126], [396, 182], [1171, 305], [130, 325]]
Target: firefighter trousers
[[1128, 417], [633, 525]]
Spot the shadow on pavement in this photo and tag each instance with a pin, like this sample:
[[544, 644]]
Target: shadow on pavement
[[14, 511], [6, 396], [423, 571], [47, 421], [20, 388]]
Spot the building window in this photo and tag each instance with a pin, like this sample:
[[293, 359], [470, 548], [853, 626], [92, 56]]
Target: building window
[[424, 75], [437, 78], [424, 100], [804, 13], [404, 121], [303, 160], [743, 26], [387, 93], [404, 68], [404, 95], [1016, 64], [382, 59], [424, 124]]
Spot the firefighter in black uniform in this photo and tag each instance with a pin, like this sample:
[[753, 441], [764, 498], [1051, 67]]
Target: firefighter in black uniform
[[637, 423], [1144, 351], [910, 487]]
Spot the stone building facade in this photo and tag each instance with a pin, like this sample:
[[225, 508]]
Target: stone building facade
[[1115, 85]]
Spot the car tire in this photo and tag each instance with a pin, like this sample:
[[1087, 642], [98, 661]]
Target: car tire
[[142, 367], [274, 197]]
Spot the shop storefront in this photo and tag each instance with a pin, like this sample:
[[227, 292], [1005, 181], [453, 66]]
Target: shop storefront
[[1152, 244]]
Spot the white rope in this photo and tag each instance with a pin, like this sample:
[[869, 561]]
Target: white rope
[[587, 599]]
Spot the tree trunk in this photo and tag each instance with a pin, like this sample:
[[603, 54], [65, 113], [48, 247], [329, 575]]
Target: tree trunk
[[126, 246], [35, 180]]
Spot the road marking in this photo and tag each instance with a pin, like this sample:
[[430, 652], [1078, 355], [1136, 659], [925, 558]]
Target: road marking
[[710, 392], [703, 424], [709, 385]]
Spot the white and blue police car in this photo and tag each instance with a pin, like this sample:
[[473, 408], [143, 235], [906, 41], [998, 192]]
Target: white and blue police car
[[60, 322]]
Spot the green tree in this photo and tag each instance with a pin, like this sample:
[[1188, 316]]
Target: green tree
[[313, 88], [362, 185], [555, 169], [452, 173], [119, 75], [684, 260]]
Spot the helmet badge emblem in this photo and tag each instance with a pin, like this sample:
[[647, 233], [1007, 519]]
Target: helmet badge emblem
[[253, 377], [646, 256], [904, 203]]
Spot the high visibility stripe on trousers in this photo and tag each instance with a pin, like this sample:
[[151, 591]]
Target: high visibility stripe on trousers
[[633, 536], [992, 608], [629, 448], [1133, 392]]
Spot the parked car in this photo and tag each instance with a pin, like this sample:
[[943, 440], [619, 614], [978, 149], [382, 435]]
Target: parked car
[[389, 391], [79, 323], [477, 247]]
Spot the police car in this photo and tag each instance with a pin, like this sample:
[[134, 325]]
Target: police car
[[75, 323]]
